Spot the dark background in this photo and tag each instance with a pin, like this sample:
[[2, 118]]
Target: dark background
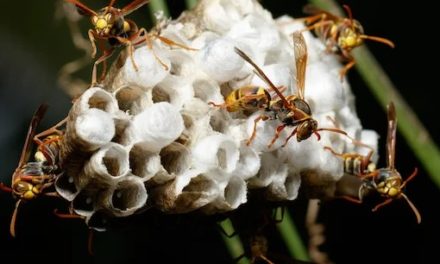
[[34, 45]]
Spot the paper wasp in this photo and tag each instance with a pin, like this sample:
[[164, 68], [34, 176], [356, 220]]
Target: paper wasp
[[339, 34], [291, 110], [32, 178], [110, 26], [386, 181]]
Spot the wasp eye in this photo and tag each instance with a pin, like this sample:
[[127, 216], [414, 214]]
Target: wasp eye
[[23, 187], [94, 20], [108, 17]]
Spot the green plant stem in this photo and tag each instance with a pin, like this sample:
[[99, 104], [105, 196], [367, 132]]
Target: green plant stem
[[416, 135], [158, 5], [233, 243], [291, 238], [190, 3]]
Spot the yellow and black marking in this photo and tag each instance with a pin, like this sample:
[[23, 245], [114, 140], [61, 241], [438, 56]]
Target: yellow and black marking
[[248, 98]]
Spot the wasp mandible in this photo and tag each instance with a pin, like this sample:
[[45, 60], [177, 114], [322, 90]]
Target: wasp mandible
[[31, 179], [339, 34], [291, 110], [386, 181]]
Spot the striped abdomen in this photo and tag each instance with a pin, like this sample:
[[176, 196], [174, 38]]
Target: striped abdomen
[[49, 149], [248, 98], [358, 165]]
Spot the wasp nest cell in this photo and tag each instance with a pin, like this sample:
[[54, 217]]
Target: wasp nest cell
[[152, 130]]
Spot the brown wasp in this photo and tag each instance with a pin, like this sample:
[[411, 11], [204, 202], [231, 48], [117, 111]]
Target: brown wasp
[[31, 178], [339, 34], [386, 181], [291, 110], [110, 26]]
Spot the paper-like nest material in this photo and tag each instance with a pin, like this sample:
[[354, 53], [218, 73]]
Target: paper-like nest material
[[153, 130]]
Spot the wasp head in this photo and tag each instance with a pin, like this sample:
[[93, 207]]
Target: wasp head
[[350, 34], [389, 183], [25, 190], [103, 22], [306, 128]]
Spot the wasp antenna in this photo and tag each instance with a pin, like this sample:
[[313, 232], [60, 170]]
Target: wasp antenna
[[85, 10], [379, 39], [135, 4], [336, 130], [348, 10], [90, 242], [414, 208], [387, 201], [14, 219], [112, 2], [416, 170], [318, 136]]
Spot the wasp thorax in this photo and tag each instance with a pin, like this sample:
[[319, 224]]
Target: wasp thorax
[[302, 105], [306, 128]]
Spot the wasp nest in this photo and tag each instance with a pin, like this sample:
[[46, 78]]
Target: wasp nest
[[152, 130]]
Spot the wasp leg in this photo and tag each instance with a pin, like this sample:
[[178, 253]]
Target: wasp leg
[[351, 199], [52, 194], [50, 131], [91, 34], [409, 178], [5, 188], [316, 25], [254, 132], [341, 155], [278, 131], [387, 201], [211, 103], [90, 242], [70, 215], [312, 19], [36, 179], [263, 257], [14, 219], [106, 54], [288, 138], [373, 175], [147, 39], [130, 48], [172, 43], [347, 66]]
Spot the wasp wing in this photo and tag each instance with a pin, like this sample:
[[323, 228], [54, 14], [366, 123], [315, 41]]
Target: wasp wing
[[300, 50], [133, 6], [262, 75], [85, 10], [313, 10], [391, 136], [25, 153]]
